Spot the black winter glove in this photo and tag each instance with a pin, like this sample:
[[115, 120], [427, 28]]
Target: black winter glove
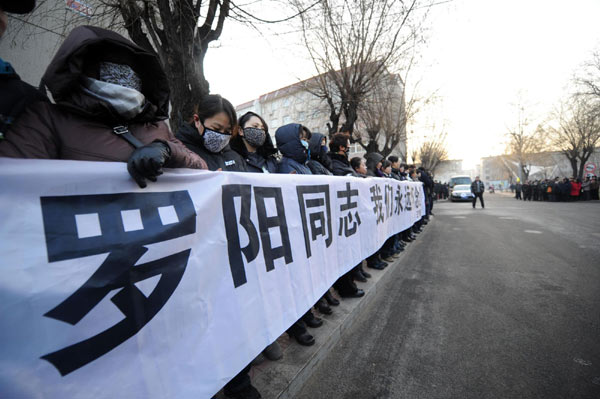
[[146, 162]]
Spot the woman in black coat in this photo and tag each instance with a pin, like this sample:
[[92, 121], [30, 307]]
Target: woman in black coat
[[254, 144], [209, 132]]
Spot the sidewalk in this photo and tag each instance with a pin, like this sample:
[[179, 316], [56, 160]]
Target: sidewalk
[[284, 378]]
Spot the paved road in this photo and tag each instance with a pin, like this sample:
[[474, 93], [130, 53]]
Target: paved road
[[495, 303]]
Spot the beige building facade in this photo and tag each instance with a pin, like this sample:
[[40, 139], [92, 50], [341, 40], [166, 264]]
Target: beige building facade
[[294, 104]]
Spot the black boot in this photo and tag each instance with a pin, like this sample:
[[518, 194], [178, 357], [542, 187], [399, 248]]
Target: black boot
[[367, 275], [324, 307], [331, 300], [355, 294], [312, 321], [358, 276], [305, 339]]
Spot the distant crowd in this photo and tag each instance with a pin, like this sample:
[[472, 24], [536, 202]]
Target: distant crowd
[[557, 189]]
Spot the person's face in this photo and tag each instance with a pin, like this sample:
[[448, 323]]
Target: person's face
[[388, 170], [3, 22], [254, 122], [362, 169], [378, 166], [323, 142], [303, 135], [218, 122], [402, 169], [395, 165]]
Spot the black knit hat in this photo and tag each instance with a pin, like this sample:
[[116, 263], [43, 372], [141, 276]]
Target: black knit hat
[[17, 6]]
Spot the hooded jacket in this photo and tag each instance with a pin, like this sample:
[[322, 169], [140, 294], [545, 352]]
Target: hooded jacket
[[319, 162], [340, 166], [261, 161], [80, 126], [227, 159], [294, 155], [372, 160]]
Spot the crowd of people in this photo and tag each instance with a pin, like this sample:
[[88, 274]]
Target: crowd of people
[[557, 189], [110, 103]]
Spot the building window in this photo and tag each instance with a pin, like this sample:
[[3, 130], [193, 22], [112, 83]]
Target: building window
[[354, 148]]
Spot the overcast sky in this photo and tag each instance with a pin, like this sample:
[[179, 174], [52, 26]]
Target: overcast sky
[[480, 55]]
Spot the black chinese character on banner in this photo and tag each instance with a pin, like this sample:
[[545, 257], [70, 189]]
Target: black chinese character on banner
[[120, 225], [389, 200], [377, 200], [408, 196], [265, 223], [315, 211], [346, 206], [398, 200]]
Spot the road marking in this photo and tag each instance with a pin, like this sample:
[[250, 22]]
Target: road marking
[[507, 218], [582, 246], [456, 228], [459, 217], [533, 231], [582, 362]]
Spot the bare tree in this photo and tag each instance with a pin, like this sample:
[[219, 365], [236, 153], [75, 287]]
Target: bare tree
[[431, 152], [177, 31], [589, 78], [575, 131], [353, 44], [382, 119], [524, 142]]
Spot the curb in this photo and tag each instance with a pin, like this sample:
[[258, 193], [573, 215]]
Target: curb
[[283, 379]]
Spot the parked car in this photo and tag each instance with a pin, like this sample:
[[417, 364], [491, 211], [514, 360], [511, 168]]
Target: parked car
[[458, 180], [461, 192]]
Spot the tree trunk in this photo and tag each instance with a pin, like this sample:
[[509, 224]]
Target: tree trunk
[[573, 162]]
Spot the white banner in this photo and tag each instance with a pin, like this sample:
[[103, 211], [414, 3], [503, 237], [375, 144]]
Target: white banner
[[111, 291]]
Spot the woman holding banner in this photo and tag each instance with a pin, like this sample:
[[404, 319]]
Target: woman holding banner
[[112, 98], [208, 134]]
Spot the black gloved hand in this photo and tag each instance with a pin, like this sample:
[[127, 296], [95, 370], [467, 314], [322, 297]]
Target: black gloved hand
[[146, 162]]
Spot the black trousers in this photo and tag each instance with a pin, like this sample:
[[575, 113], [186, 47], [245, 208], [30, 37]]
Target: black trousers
[[480, 196], [239, 383]]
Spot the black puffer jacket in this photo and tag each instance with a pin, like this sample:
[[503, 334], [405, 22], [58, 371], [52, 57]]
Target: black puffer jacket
[[319, 163], [16, 96], [340, 166], [372, 160], [226, 160], [263, 160]]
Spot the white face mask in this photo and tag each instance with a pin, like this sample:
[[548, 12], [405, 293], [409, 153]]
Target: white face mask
[[215, 141]]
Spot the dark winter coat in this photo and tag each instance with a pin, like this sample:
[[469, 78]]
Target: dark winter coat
[[340, 166], [294, 155], [261, 161], [15, 96], [372, 160], [477, 187], [226, 160], [319, 162], [80, 126]]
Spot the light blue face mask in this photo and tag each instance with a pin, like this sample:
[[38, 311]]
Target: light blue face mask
[[305, 145]]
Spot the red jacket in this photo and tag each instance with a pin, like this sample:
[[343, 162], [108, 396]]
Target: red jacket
[[575, 188]]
